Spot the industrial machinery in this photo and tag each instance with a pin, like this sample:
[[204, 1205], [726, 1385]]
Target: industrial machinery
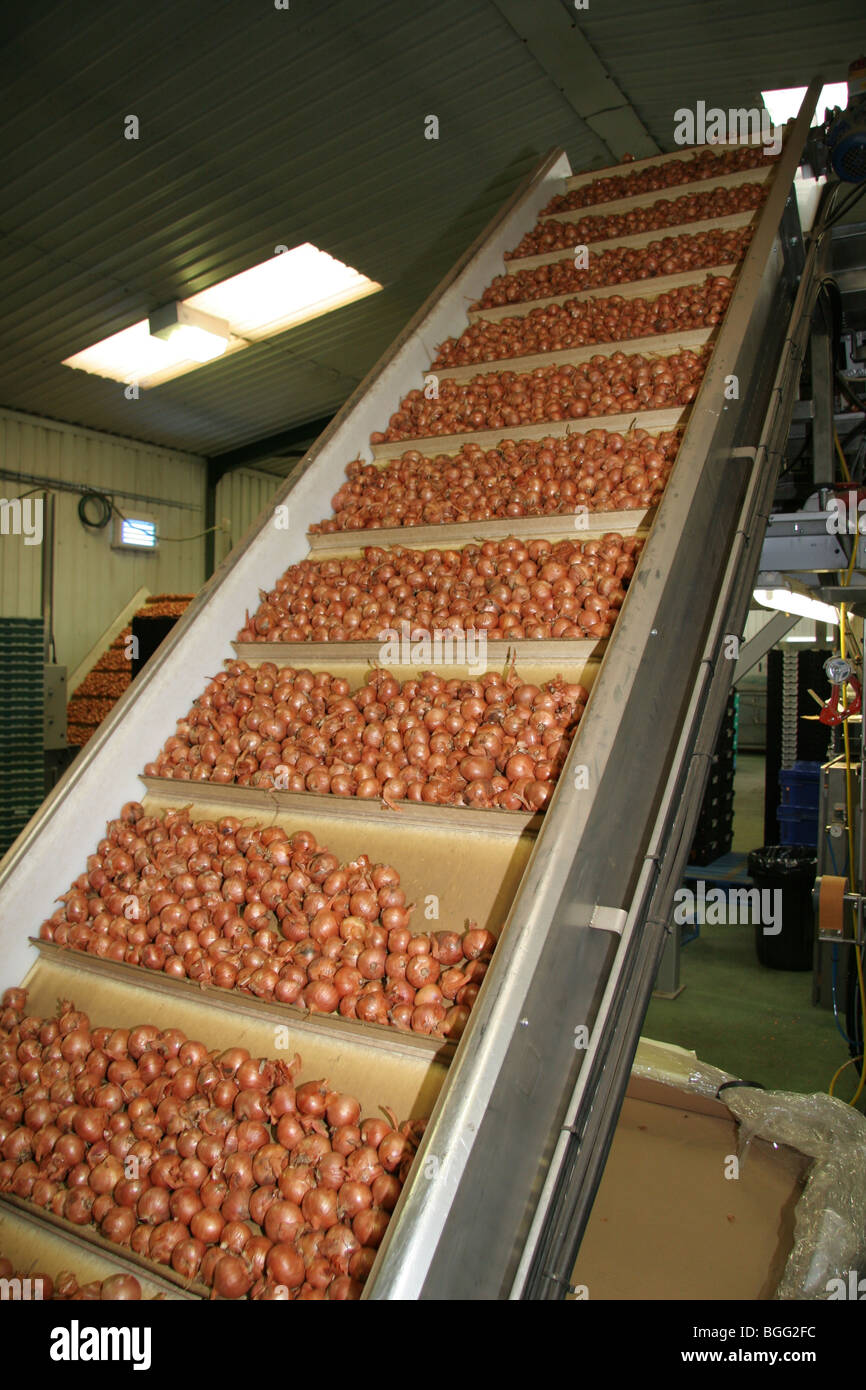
[[839, 894], [846, 142], [523, 1108]]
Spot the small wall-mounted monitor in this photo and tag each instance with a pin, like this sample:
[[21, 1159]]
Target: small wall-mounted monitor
[[135, 533]]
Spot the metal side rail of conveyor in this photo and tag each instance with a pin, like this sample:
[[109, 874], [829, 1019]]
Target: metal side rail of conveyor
[[497, 1205]]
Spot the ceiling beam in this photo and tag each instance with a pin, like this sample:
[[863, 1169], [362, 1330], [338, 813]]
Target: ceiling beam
[[287, 441], [555, 40]]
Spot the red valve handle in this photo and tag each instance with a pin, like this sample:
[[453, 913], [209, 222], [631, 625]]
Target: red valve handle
[[831, 713]]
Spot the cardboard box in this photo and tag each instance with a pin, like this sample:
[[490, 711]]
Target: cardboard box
[[671, 1221]]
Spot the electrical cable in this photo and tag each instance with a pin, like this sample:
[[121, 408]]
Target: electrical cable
[[180, 540], [850, 570], [834, 954], [834, 960], [829, 295], [196, 537], [842, 384], [818, 231], [19, 495], [834, 957], [850, 1063], [845, 206], [842, 459], [106, 508], [832, 213], [849, 800]]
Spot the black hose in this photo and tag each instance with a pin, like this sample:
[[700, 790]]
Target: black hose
[[105, 505], [854, 1015]]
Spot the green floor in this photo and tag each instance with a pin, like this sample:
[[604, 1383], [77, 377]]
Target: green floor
[[757, 1023]]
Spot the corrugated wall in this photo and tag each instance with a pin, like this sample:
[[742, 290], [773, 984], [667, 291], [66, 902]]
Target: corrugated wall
[[92, 581], [240, 496]]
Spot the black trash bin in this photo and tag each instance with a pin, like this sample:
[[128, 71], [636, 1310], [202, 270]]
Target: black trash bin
[[789, 869]]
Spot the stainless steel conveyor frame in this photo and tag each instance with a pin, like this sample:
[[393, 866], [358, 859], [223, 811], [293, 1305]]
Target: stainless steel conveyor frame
[[512, 1160], [499, 1195]]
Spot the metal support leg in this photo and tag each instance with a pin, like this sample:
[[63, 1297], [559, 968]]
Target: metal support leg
[[823, 392]]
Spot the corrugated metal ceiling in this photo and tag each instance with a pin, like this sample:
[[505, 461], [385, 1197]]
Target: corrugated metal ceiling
[[725, 52], [261, 126]]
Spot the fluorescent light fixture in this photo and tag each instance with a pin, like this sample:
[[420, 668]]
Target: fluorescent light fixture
[[134, 356], [292, 287], [134, 533], [785, 102], [289, 289], [779, 592], [198, 336]]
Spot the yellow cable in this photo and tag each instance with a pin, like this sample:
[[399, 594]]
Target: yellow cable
[[842, 460], [849, 799], [851, 562], [850, 1063]]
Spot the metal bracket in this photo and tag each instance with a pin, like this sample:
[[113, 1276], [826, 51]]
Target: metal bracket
[[612, 919]]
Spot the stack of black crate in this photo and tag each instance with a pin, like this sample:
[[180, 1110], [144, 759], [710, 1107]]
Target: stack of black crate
[[715, 828], [22, 759]]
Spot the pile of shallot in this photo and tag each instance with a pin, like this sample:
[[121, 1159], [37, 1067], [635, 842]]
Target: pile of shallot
[[578, 323], [598, 470], [66, 1288], [702, 164], [668, 256], [270, 914], [221, 1165], [652, 217], [606, 385], [493, 742], [508, 589]]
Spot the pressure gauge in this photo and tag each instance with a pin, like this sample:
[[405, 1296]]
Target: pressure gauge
[[838, 670]]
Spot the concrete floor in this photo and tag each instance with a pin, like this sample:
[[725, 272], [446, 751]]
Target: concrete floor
[[757, 1023]]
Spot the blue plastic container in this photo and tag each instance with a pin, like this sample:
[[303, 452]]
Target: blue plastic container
[[798, 825], [800, 785]]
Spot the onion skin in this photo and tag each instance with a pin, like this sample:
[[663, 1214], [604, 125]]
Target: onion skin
[[285, 1266], [231, 1277]]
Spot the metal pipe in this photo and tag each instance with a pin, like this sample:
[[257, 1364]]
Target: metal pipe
[[61, 485], [48, 577], [860, 866]]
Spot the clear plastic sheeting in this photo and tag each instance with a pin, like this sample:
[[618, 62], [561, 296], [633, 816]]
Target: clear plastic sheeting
[[830, 1220], [675, 1066]]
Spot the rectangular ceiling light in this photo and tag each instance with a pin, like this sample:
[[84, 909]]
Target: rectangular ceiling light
[[786, 102], [788, 596], [290, 288]]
